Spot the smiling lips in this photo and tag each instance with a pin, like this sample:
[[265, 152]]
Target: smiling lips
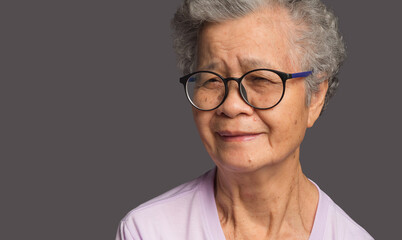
[[237, 136]]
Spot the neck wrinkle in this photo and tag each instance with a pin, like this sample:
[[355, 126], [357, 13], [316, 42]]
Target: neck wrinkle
[[268, 199]]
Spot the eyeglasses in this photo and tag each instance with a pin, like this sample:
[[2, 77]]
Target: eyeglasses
[[259, 88]]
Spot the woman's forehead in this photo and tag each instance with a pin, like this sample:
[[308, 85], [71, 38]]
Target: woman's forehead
[[236, 43]]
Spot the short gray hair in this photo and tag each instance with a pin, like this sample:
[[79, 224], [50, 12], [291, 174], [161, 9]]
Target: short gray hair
[[320, 43]]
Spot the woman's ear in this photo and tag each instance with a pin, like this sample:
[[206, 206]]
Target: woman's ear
[[316, 103]]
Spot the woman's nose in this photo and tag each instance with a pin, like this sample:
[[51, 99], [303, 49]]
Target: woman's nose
[[234, 104]]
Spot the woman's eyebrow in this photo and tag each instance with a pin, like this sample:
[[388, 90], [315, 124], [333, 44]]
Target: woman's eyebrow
[[211, 66], [251, 63], [245, 63]]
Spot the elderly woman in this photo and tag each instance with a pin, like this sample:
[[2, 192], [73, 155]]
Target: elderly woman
[[258, 73]]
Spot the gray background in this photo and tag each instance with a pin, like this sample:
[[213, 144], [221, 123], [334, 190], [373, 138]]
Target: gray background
[[94, 121]]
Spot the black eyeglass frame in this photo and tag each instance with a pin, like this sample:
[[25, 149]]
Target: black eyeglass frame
[[284, 77]]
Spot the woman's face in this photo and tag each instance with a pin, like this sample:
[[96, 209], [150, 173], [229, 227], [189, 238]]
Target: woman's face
[[237, 136]]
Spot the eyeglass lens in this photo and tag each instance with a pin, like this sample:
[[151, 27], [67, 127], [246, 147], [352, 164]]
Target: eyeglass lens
[[260, 89]]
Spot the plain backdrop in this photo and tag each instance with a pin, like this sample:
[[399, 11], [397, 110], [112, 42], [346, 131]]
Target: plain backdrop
[[94, 121]]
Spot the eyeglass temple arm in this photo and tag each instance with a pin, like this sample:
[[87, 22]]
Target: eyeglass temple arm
[[301, 74]]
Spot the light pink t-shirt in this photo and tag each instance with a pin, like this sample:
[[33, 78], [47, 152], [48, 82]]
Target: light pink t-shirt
[[188, 212]]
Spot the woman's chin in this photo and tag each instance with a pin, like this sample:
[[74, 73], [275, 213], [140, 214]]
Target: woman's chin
[[242, 162], [238, 164]]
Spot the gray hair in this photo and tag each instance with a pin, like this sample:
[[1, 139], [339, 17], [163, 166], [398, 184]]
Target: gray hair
[[319, 42]]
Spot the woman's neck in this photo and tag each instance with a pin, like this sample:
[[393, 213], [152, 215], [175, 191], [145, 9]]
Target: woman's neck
[[268, 203]]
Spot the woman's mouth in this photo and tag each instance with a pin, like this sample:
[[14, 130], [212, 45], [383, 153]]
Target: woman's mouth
[[237, 136]]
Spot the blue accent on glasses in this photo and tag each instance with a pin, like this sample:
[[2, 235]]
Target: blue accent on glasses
[[301, 74]]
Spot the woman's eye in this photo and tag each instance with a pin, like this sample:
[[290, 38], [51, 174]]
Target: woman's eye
[[262, 79], [211, 82]]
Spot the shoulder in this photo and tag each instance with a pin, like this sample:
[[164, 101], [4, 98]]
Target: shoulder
[[340, 225], [164, 213], [168, 202]]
